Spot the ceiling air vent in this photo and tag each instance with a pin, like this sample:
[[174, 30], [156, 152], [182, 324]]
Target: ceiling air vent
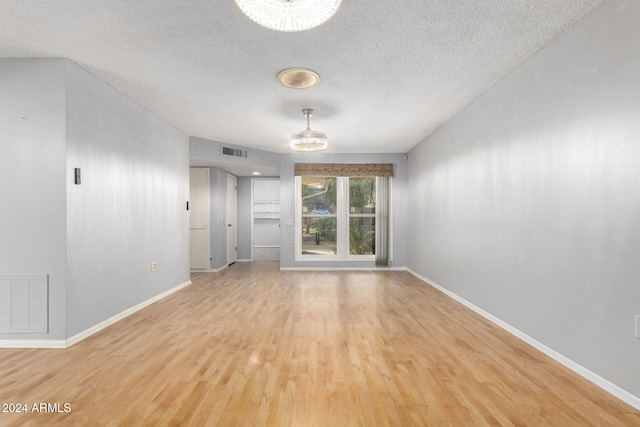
[[235, 152]]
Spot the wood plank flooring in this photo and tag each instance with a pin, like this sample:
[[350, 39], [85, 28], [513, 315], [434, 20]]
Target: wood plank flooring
[[255, 346]]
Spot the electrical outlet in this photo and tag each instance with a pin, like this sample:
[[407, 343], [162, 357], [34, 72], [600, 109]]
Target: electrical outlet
[[637, 325], [154, 266]]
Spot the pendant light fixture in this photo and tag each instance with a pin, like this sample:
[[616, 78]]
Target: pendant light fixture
[[308, 139], [289, 15]]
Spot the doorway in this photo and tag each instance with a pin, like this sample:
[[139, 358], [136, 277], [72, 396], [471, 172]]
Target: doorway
[[199, 219], [266, 219], [232, 231]]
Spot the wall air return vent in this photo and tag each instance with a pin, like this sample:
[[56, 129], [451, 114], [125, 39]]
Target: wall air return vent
[[235, 152], [24, 304]]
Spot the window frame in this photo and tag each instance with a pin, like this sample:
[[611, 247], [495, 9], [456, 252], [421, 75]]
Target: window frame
[[342, 216]]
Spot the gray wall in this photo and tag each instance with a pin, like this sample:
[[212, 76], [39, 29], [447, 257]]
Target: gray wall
[[527, 203], [129, 210], [96, 240], [32, 180], [287, 206]]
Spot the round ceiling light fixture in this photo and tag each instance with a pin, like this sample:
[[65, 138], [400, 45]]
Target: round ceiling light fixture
[[308, 139], [298, 78], [289, 15]]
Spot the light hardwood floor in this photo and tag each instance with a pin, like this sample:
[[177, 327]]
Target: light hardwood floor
[[254, 346]]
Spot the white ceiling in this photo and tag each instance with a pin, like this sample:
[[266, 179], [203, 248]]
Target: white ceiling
[[391, 71]]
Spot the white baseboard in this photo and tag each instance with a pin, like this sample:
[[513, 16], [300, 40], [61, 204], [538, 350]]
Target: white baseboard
[[33, 343], [92, 330], [596, 379], [343, 268], [210, 270]]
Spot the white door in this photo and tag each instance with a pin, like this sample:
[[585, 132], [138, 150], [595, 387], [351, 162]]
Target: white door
[[232, 231], [199, 196]]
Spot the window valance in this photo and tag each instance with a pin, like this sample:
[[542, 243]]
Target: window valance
[[343, 169]]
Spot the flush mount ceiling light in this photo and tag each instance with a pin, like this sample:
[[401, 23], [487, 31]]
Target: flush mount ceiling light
[[298, 78], [289, 15], [308, 140]]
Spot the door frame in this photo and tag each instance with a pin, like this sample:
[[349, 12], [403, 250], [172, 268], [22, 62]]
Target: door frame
[[206, 200], [231, 221], [253, 214]]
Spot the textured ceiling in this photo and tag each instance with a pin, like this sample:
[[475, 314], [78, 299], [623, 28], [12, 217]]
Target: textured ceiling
[[391, 71]]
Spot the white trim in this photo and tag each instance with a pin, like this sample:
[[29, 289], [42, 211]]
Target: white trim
[[343, 268], [217, 270], [596, 379], [335, 258], [210, 270], [233, 220], [342, 217], [92, 330], [252, 218], [33, 344]]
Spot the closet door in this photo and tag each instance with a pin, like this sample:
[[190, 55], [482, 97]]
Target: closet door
[[232, 230], [199, 218], [266, 219]]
